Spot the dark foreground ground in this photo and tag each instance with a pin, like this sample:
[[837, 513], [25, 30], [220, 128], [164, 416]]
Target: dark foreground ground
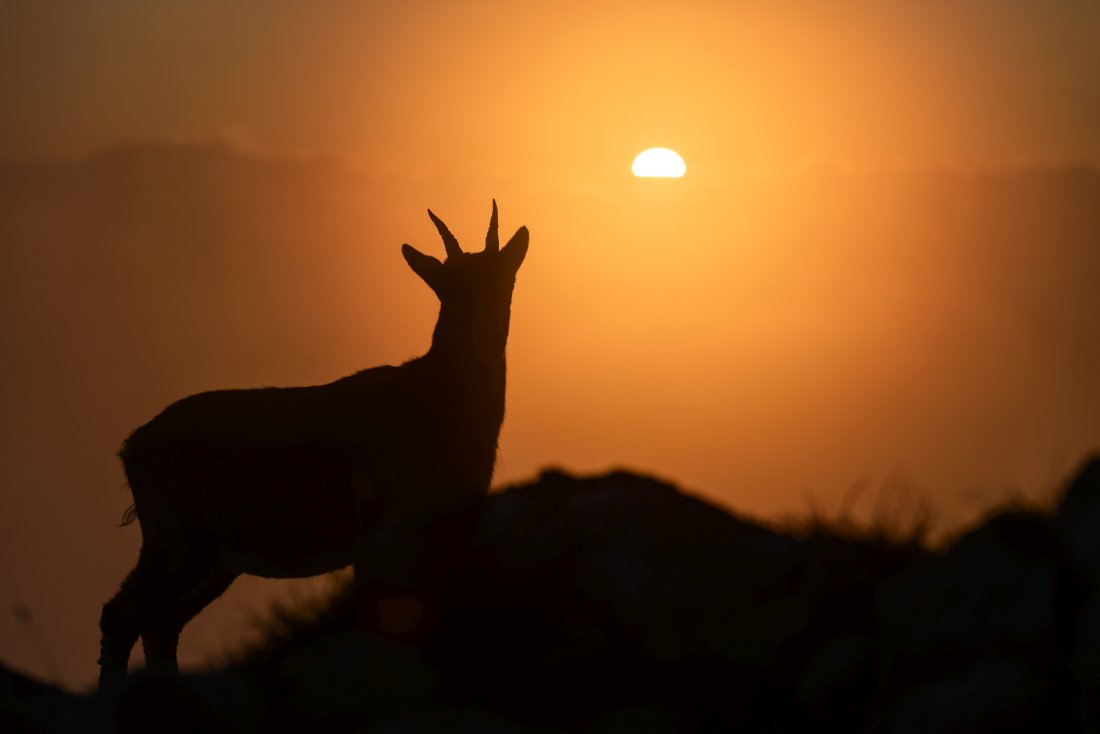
[[619, 604]]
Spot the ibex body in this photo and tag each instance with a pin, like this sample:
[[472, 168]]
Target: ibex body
[[289, 482]]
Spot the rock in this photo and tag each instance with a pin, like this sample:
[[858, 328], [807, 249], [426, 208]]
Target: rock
[[1079, 522], [29, 705], [994, 695], [669, 572], [999, 587], [838, 682], [1078, 518], [354, 675]]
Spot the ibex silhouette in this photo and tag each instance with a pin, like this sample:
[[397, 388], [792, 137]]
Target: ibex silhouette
[[291, 482]]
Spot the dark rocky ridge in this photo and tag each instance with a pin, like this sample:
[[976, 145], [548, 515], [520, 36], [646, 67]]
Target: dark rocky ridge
[[618, 603]]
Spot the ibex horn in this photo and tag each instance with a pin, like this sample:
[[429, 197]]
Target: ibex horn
[[492, 241], [450, 244]]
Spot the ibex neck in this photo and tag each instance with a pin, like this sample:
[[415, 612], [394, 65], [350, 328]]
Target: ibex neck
[[468, 384], [458, 341], [472, 381]]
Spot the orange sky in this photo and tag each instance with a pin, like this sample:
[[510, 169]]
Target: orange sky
[[881, 261], [485, 88]]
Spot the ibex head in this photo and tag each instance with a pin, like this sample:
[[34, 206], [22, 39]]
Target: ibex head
[[474, 288]]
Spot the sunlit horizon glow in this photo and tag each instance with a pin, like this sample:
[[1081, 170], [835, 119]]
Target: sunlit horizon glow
[[658, 163], [884, 258]]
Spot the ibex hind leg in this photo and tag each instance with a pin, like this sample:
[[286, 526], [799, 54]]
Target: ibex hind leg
[[121, 620], [146, 598], [161, 639]]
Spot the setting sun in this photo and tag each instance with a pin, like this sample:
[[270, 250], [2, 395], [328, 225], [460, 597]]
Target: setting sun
[[658, 163]]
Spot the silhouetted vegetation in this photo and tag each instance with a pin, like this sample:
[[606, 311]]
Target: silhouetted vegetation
[[618, 603]]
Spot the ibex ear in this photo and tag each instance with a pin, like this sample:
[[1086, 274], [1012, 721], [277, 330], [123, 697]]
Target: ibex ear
[[516, 249], [426, 266]]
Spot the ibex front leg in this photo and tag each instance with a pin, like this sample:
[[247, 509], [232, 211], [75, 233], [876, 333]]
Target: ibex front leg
[[161, 641]]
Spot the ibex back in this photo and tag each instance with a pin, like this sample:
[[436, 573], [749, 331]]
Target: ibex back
[[288, 482]]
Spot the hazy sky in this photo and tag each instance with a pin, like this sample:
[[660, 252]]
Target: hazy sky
[[882, 261], [551, 88]]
